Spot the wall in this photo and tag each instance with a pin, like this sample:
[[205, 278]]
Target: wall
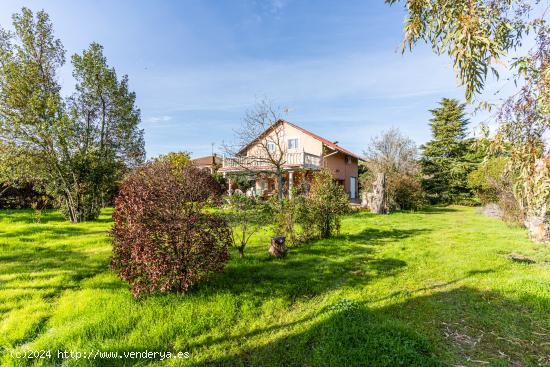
[[305, 142], [343, 171]]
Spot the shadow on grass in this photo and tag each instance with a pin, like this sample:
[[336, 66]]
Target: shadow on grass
[[312, 269], [32, 267], [49, 271], [48, 232], [437, 210], [376, 236], [462, 324]]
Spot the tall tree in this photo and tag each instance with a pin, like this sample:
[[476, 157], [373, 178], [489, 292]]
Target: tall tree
[[106, 138], [478, 35], [78, 148], [445, 159], [31, 108]]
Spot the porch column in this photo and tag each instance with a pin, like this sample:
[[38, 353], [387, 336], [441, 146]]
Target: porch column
[[229, 191], [259, 186], [290, 183]]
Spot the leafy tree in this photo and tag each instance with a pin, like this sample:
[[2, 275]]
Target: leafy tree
[[104, 128], [78, 148], [487, 179], [524, 129], [474, 34], [163, 240], [179, 160], [31, 108], [246, 217], [21, 184], [477, 35], [447, 159]]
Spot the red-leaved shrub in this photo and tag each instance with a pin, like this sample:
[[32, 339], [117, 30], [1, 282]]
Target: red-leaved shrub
[[162, 239]]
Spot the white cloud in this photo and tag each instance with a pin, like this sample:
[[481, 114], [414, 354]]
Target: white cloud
[[236, 83], [158, 119]]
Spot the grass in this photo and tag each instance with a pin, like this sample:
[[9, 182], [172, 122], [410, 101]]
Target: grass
[[431, 288]]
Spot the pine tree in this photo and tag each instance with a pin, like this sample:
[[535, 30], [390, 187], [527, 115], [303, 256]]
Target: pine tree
[[448, 158]]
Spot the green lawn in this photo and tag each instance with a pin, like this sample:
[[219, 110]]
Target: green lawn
[[429, 288]]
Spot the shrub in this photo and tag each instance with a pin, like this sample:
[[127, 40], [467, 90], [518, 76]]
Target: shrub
[[487, 178], [493, 184], [162, 239], [286, 215], [246, 216], [323, 206], [405, 192], [317, 213], [243, 181]]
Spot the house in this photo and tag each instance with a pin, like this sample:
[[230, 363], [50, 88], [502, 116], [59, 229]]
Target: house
[[210, 162], [300, 153]]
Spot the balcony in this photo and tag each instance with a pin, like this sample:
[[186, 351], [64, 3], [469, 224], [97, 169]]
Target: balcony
[[301, 160]]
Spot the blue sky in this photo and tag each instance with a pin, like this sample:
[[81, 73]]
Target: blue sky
[[196, 66]]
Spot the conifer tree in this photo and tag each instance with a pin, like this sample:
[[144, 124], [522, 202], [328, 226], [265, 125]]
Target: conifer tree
[[447, 159]]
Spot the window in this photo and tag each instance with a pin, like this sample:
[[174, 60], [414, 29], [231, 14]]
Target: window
[[270, 146], [293, 143]]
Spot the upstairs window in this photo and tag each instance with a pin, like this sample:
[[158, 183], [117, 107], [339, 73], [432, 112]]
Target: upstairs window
[[271, 146], [293, 143]]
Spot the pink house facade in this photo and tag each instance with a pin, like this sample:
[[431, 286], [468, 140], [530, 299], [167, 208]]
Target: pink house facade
[[302, 153]]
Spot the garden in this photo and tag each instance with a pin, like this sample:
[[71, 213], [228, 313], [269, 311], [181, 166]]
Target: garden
[[110, 257], [439, 286]]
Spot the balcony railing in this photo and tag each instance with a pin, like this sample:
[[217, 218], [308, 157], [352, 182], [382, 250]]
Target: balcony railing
[[262, 163]]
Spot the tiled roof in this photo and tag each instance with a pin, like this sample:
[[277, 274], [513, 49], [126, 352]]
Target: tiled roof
[[206, 161], [327, 142]]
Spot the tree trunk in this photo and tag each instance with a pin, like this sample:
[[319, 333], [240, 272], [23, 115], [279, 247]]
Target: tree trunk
[[280, 185], [377, 199], [70, 209], [4, 188], [241, 251], [538, 228], [277, 248], [103, 118]]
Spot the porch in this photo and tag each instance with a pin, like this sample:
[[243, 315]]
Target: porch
[[264, 184]]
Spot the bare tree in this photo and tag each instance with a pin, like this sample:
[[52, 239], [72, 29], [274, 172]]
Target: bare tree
[[394, 172], [261, 145], [391, 151]]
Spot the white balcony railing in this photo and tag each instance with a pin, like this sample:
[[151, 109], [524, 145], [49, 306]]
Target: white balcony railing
[[259, 163]]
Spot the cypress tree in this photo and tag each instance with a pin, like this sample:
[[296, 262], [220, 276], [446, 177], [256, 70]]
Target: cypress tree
[[448, 158]]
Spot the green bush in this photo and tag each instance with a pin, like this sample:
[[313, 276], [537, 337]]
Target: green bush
[[487, 180], [284, 218], [405, 191], [246, 216], [319, 213], [493, 184]]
